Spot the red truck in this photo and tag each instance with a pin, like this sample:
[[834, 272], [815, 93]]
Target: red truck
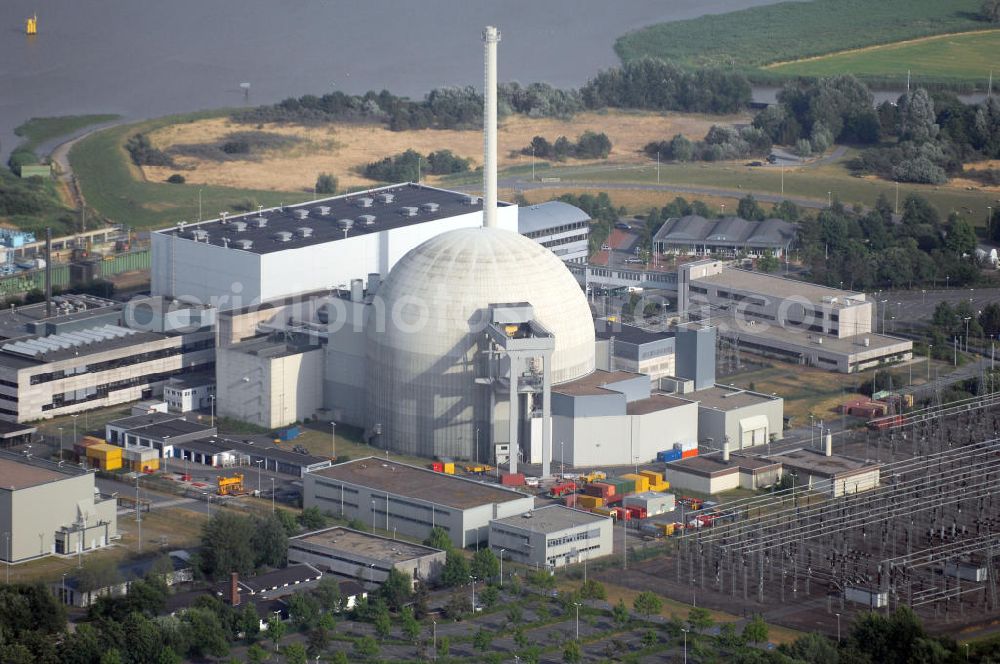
[[562, 489]]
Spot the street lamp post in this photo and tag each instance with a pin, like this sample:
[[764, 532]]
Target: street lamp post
[[685, 644], [967, 319], [138, 512], [577, 604], [258, 462], [929, 347], [838, 627], [434, 636], [74, 427], [501, 567], [333, 440], [473, 593], [562, 460], [373, 516], [60, 443], [272, 495]]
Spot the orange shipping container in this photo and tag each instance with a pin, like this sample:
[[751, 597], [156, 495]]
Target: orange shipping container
[[688, 454]]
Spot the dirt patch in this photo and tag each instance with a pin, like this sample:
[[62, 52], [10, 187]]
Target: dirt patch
[[343, 148]]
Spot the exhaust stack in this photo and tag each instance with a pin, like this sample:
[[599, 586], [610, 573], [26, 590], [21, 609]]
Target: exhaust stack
[[491, 37]]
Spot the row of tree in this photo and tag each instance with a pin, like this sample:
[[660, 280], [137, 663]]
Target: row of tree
[[589, 145], [720, 143]]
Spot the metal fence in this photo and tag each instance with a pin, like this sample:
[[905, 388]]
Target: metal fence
[[22, 282]]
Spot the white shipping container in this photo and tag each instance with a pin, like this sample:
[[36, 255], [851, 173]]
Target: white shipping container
[[686, 445], [869, 598]]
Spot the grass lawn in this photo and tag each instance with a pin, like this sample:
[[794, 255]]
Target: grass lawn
[[792, 30], [38, 130], [115, 188], [963, 56]]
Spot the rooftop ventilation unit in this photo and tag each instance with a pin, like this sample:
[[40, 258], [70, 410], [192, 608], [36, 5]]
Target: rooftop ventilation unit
[[301, 214], [324, 210], [239, 226], [409, 211], [261, 222], [429, 207], [244, 244], [225, 242], [367, 219], [283, 236], [470, 200], [385, 197], [304, 231], [199, 235], [223, 217], [345, 224], [365, 202]]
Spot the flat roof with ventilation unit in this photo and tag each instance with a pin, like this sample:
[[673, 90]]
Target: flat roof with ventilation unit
[[363, 544], [371, 211]]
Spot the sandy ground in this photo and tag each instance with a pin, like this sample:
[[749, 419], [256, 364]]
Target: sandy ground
[[343, 149], [967, 183]]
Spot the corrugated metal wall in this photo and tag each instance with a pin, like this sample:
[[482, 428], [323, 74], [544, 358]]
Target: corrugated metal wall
[[26, 281]]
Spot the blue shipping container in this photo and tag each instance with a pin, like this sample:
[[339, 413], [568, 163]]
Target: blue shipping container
[[668, 455], [291, 433]]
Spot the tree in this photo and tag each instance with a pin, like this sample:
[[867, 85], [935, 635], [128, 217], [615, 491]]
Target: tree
[[647, 603], [226, 545], [620, 613], [680, 148], [989, 319], [248, 623], [813, 648], [328, 594], [768, 263], [411, 626], [755, 631], [312, 518], [456, 570], [699, 618], [98, 573], [383, 623], [572, 653], [443, 646], [514, 614], [485, 564], [270, 541], [295, 653], [650, 638], [489, 596], [593, 589], [482, 640], [750, 209], [439, 539], [366, 646], [326, 184], [917, 120], [256, 654], [961, 238], [275, 630], [176, 178], [458, 605], [303, 608], [207, 636], [288, 522], [991, 10], [396, 589], [340, 657]]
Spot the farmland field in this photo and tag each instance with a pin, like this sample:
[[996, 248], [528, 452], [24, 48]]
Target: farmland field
[[962, 56], [793, 30]]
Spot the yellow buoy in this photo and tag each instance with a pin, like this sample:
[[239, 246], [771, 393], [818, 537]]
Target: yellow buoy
[[31, 25]]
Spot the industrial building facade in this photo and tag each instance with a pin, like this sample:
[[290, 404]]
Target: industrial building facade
[[728, 237], [398, 497], [742, 417], [562, 228], [552, 536], [365, 557], [51, 509]]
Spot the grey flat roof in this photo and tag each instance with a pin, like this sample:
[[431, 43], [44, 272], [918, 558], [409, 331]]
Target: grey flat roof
[[11, 429], [552, 518], [192, 380], [356, 542], [808, 341], [13, 323], [721, 397], [205, 446], [817, 463], [170, 428], [20, 361], [326, 228], [779, 287], [594, 383], [268, 347], [533, 218], [420, 483], [654, 403], [21, 472], [714, 465], [628, 333], [144, 420]]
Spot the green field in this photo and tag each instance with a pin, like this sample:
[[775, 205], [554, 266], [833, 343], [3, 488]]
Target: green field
[[38, 130], [751, 38], [115, 190], [965, 56]]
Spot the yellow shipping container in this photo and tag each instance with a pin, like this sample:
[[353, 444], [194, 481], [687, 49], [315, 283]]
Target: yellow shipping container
[[641, 482], [104, 456], [668, 529], [589, 502], [603, 511], [449, 468], [140, 466], [654, 476]]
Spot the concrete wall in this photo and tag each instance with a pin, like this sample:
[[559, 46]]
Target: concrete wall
[[718, 424], [658, 431], [296, 390], [696, 355], [345, 384], [204, 273]]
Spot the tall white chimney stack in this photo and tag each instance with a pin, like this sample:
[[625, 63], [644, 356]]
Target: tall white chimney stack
[[725, 450], [491, 37]]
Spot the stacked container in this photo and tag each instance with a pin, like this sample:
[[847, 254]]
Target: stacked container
[[652, 502], [80, 448], [666, 456], [623, 486], [688, 448], [600, 489], [656, 481], [508, 479], [142, 459], [585, 502], [641, 482], [104, 456]]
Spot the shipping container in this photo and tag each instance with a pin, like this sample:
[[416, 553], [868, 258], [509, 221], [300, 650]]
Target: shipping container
[[622, 514], [602, 489], [510, 479], [653, 503], [104, 456], [449, 468], [614, 500], [687, 454], [653, 476], [587, 502], [640, 483], [870, 598], [603, 511], [288, 433], [667, 456], [562, 488], [622, 485], [636, 512], [437, 467]]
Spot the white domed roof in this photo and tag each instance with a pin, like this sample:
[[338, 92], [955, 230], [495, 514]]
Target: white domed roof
[[423, 360]]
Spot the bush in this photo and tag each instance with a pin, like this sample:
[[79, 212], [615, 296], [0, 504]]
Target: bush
[[144, 154], [176, 178], [326, 184], [589, 145]]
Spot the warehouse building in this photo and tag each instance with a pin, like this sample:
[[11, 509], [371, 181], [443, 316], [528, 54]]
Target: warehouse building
[[613, 418], [743, 417], [346, 553], [791, 320], [715, 474], [562, 228], [552, 536], [51, 508], [395, 496], [729, 236], [157, 431], [827, 473]]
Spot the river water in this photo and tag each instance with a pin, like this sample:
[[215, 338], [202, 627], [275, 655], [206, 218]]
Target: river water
[[144, 59]]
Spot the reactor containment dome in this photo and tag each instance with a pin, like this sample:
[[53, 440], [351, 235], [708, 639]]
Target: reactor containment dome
[[425, 356]]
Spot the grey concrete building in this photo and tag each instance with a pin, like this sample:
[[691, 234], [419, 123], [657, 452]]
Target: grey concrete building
[[730, 236], [696, 354], [158, 431], [51, 508], [365, 557], [630, 348], [744, 418], [552, 536], [791, 320], [714, 474], [392, 495], [613, 418], [830, 474], [562, 228]]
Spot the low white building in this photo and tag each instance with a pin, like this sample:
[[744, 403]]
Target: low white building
[[552, 536], [186, 393], [830, 474]]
